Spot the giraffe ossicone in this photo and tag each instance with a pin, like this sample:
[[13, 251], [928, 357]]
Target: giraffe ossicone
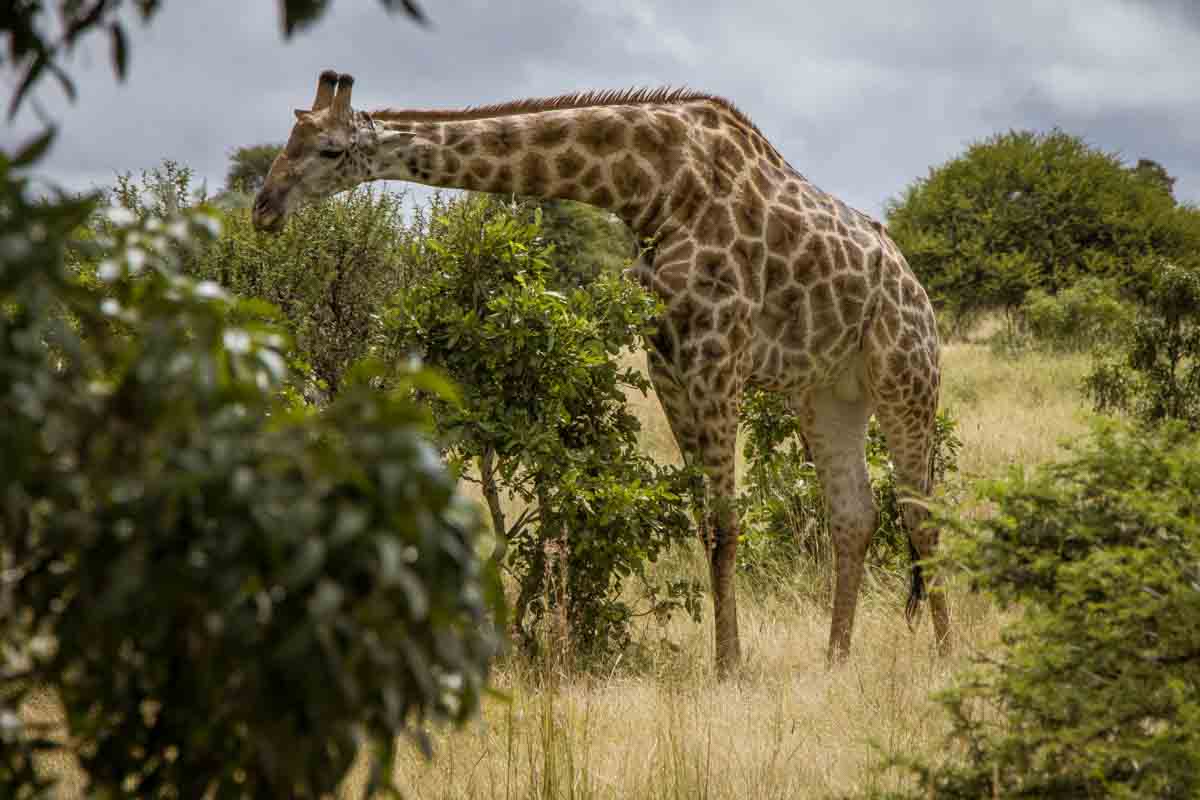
[[766, 281]]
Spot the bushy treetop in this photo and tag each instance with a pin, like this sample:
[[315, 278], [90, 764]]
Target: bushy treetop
[[1021, 210]]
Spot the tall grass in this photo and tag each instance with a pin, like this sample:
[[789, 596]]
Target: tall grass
[[787, 726]]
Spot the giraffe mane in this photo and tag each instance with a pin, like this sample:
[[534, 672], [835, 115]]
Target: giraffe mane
[[666, 95]]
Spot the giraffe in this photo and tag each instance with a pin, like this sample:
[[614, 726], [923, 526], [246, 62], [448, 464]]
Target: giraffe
[[766, 281]]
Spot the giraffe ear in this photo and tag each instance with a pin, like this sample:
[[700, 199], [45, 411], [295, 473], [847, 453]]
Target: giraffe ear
[[301, 113]]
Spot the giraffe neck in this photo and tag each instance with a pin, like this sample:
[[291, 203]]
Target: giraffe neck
[[621, 158]]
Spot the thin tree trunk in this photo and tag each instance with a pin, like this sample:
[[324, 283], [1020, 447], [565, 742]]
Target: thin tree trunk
[[491, 493]]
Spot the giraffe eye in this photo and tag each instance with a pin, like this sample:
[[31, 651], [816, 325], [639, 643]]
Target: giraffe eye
[[330, 153]]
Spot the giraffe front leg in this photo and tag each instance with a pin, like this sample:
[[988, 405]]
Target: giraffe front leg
[[718, 445], [712, 448]]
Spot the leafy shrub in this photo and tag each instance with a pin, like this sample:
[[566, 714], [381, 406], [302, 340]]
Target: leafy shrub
[[329, 271], [544, 418], [785, 516], [1096, 691], [1024, 210], [1155, 375], [1087, 315], [782, 507], [229, 598]]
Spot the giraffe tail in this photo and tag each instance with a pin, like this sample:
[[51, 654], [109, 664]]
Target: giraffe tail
[[916, 591]]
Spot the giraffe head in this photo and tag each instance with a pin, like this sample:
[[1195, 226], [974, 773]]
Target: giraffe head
[[327, 152]]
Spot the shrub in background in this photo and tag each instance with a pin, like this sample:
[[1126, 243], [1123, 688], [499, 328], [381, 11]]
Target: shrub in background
[[1154, 374], [329, 271], [1087, 315], [1024, 210], [588, 241]]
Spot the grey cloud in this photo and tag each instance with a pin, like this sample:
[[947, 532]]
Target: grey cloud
[[862, 97]]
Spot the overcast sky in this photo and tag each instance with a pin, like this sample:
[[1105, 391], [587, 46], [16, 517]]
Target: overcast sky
[[862, 97]]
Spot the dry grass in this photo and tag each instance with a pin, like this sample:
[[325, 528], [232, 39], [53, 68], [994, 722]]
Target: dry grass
[[786, 727], [1012, 411]]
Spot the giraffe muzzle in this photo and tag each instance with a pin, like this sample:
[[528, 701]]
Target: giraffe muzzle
[[267, 214]]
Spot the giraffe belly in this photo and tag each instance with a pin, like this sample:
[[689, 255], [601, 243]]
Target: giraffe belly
[[791, 361]]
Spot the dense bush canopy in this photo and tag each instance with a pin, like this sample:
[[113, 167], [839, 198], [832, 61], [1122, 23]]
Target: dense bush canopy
[[1154, 371], [1024, 210]]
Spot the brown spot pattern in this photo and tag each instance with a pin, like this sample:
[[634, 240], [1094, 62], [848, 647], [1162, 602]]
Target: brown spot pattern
[[716, 227], [550, 132], [568, 164], [500, 138], [536, 174], [629, 179], [602, 135]]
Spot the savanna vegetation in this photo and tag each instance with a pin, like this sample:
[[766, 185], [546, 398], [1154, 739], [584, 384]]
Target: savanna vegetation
[[398, 475]]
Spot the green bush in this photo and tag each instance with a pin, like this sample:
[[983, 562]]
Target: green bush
[[781, 503], [544, 418], [1155, 373], [1096, 690], [784, 514], [329, 271], [1087, 315], [1024, 210], [228, 596]]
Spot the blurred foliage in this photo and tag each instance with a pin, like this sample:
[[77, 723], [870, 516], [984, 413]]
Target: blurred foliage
[[1023, 210], [228, 592], [544, 417], [1153, 373], [1095, 691], [784, 510], [39, 39]]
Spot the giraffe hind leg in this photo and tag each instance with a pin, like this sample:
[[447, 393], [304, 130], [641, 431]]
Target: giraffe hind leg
[[710, 446], [909, 432]]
